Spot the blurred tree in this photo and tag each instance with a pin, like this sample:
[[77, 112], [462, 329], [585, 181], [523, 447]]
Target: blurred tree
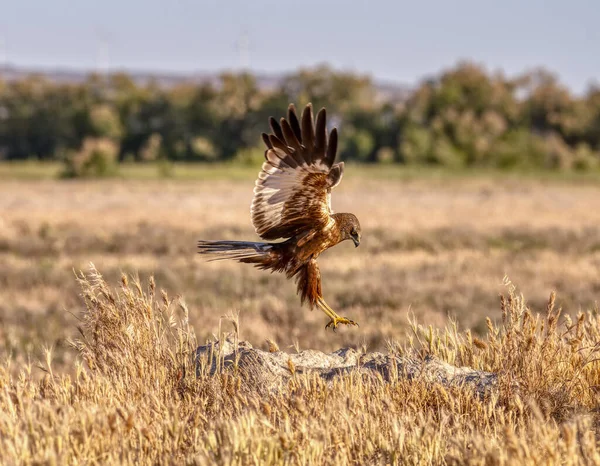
[[97, 157], [416, 145], [337, 91], [105, 122], [464, 116], [237, 100]]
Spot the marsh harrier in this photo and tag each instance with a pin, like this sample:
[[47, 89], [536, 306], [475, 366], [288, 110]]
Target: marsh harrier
[[292, 202]]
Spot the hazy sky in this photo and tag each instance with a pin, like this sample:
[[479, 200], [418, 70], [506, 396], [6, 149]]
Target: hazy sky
[[392, 40]]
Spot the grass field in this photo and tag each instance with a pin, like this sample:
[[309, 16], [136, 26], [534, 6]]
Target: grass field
[[435, 245]]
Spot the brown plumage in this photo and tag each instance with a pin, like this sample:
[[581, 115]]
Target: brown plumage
[[292, 201]]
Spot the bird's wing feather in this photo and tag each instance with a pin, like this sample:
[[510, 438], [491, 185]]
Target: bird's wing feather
[[293, 189]]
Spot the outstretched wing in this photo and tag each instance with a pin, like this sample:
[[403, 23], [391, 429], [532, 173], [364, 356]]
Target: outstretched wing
[[292, 192]]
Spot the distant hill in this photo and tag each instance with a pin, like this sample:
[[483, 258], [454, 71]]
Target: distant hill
[[387, 90]]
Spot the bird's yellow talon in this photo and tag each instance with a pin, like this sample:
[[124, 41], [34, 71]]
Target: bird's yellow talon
[[334, 322]]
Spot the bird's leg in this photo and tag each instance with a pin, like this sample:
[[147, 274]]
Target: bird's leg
[[335, 319]]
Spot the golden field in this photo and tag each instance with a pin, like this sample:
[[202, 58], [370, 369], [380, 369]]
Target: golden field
[[437, 247], [434, 247]]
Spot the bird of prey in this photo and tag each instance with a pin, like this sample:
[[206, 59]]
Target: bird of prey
[[292, 202]]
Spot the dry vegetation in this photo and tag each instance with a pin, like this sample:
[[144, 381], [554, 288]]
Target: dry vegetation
[[135, 397], [437, 248]]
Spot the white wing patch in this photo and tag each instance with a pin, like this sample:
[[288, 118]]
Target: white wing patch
[[292, 195], [270, 196], [277, 185]]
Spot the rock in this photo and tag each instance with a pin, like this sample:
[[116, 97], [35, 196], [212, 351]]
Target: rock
[[269, 371]]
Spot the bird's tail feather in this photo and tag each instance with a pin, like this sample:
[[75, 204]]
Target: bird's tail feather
[[244, 251]]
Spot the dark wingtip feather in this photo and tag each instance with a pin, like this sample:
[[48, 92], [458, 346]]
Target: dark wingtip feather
[[265, 138], [276, 128], [331, 147], [289, 134], [277, 143], [308, 127], [294, 123], [321, 132], [304, 140]]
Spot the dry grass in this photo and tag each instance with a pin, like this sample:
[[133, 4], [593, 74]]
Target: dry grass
[[436, 247], [433, 248], [135, 398]]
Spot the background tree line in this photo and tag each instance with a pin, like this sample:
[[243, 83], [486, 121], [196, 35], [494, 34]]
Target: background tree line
[[463, 116]]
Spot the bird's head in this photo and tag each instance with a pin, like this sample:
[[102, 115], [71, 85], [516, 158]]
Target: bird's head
[[349, 228]]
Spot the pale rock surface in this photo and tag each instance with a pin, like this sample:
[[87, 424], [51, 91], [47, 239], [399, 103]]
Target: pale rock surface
[[270, 370]]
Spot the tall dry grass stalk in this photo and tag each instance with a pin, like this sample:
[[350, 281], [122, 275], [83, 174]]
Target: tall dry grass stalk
[[135, 397]]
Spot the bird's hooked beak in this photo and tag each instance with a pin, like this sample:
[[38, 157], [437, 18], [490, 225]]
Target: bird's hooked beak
[[356, 239]]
